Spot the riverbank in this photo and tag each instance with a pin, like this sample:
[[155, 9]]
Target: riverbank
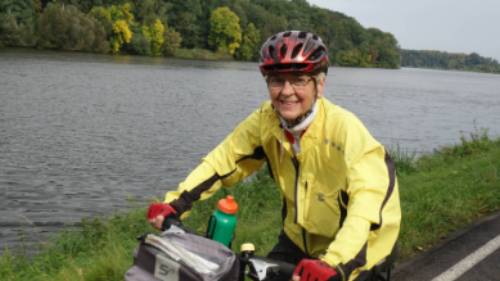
[[440, 193]]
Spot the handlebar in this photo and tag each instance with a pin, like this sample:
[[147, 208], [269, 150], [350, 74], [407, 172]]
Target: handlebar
[[260, 268]]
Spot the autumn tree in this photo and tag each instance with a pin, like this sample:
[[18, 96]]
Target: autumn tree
[[117, 21], [225, 32], [154, 35]]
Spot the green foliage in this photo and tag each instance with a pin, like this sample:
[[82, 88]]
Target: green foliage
[[140, 45], [65, 27], [17, 23], [250, 44], [446, 193], [187, 17], [148, 11], [22, 10], [16, 33], [99, 250], [172, 41], [154, 35], [103, 15], [118, 22], [225, 32], [121, 35], [444, 60], [189, 23], [404, 160], [382, 49]]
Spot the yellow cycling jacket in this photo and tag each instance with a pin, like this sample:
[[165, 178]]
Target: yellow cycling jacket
[[340, 192]]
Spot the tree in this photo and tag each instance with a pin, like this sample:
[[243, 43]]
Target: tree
[[67, 28], [154, 35], [147, 11], [472, 59], [103, 15], [121, 35], [187, 18], [117, 21], [17, 22], [225, 33], [249, 49], [172, 41]]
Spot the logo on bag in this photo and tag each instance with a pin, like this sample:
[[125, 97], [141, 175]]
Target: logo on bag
[[166, 269]]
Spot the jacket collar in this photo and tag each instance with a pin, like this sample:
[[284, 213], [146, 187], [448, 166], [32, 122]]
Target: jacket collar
[[312, 136]]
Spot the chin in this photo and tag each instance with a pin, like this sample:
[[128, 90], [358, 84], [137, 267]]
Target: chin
[[289, 116]]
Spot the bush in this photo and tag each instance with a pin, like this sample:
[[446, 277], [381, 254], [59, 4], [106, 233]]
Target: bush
[[172, 41], [16, 33], [65, 27], [139, 44]]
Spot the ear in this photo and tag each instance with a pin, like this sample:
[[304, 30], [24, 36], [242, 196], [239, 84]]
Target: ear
[[320, 87]]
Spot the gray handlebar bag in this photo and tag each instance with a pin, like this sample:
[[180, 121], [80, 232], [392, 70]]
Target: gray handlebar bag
[[176, 255]]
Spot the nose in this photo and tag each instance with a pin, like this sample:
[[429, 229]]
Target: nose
[[287, 89]]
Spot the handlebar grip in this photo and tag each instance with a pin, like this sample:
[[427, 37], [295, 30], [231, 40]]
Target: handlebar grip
[[268, 269], [286, 268], [169, 221]]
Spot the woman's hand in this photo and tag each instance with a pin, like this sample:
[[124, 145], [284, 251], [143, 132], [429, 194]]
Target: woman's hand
[[158, 213], [310, 269]]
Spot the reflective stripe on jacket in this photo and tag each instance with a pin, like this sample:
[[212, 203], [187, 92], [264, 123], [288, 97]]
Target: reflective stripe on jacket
[[340, 192]]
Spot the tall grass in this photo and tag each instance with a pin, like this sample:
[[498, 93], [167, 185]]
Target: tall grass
[[440, 193]]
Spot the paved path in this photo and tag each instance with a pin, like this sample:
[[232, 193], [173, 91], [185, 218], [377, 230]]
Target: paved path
[[472, 255]]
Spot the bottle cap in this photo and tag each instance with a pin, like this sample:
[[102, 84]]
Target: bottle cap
[[247, 247], [228, 205]]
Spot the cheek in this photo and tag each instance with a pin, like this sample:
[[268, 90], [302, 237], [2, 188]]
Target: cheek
[[274, 97]]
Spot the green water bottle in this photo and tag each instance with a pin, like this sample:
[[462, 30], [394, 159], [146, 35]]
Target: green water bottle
[[222, 223]]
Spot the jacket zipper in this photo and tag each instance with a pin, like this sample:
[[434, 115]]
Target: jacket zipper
[[304, 232], [296, 165]]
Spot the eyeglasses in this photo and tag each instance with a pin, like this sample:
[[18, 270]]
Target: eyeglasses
[[298, 83]]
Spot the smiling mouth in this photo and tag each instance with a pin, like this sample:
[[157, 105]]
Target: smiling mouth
[[288, 102]]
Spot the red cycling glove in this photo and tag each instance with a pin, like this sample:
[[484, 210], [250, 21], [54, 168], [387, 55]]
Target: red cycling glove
[[315, 270], [156, 209]]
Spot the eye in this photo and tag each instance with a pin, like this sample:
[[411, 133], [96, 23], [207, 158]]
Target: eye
[[276, 82], [300, 81]]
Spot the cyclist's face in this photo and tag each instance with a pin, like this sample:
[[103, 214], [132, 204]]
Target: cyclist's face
[[292, 95]]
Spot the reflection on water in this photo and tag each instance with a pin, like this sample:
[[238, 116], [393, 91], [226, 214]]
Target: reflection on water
[[81, 134]]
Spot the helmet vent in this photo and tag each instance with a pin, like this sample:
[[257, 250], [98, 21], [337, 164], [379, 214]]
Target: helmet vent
[[287, 34], [283, 50], [317, 54], [296, 50], [272, 38], [271, 52], [315, 37], [302, 34]]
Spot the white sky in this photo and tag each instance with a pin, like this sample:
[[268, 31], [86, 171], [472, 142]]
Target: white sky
[[463, 26]]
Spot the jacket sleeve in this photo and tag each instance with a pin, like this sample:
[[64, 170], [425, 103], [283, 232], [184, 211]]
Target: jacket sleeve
[[235, 158], [369, 179]]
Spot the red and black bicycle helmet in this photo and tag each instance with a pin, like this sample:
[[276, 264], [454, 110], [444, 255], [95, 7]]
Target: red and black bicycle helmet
[[293, 51]]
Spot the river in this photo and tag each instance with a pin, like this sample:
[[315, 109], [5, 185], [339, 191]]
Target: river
[[84, 135]]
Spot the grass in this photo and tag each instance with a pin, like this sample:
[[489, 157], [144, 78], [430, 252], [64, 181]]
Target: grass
[[440, 193]]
